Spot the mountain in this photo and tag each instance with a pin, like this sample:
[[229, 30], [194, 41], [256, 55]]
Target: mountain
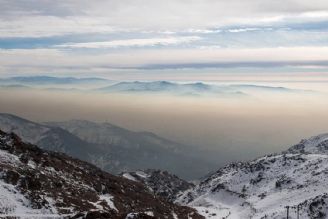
[[161, 183], [168, 87], [199, 88], [140, 150], [40, 184], [262, 188], [106, 133], [109, 147], [314, 145], [46, 137]]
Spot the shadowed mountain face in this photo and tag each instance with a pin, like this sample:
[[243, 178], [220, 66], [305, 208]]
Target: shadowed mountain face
[[35, 183], [141, 150], [110, 147]]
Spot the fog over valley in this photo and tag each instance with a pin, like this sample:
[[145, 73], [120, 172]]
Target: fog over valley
[[249, 121]]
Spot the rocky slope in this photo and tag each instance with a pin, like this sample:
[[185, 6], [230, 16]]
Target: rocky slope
[[161, 183], [262, 188], [109, 147], [37, 183], [314, 145]]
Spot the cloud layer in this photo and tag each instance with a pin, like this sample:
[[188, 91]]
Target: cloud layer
[[138, 34]]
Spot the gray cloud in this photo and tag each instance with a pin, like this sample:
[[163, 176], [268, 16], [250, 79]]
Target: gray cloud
[[102, 15]]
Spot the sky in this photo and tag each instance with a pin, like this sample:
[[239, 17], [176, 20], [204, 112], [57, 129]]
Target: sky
[[174, 38]]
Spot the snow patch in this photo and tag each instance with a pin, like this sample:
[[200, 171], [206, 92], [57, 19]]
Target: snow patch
[[109, 200]]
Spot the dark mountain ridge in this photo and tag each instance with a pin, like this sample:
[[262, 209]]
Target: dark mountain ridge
[[39, 183], [110, 147]]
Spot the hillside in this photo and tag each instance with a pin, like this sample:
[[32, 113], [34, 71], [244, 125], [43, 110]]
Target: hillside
[[262, 188], [38, 183], [110, 147]]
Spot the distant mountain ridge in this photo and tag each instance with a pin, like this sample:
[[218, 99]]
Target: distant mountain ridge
[[102, 85], [139, 149], [161, 183], [197, 88], [110, 147]]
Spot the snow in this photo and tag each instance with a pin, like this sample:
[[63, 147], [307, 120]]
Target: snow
[[135, 215], [7, 158], [175, 216], [31, 164], [260, 188], [142, 174], [131, 215], [314, 145], [149, 213], [109, 200], [14, 204], [128, 176], [29, 131]]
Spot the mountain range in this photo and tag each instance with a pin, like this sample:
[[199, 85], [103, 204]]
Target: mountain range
[[110, 147], [35, 183], [295, 179], [265, 187], [100, 85]]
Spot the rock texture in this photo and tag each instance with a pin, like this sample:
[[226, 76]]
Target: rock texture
[[161, 183]]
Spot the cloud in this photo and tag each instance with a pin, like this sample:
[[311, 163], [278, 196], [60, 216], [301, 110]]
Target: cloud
[[52, 60], [50, 36], [32, 18], [133, 42]]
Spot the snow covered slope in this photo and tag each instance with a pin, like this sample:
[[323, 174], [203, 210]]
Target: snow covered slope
[[262, 188], [315, 145], [39, 184]]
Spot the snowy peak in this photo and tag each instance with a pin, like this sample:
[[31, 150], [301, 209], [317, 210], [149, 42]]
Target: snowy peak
[[42, 184], [314, 145]]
